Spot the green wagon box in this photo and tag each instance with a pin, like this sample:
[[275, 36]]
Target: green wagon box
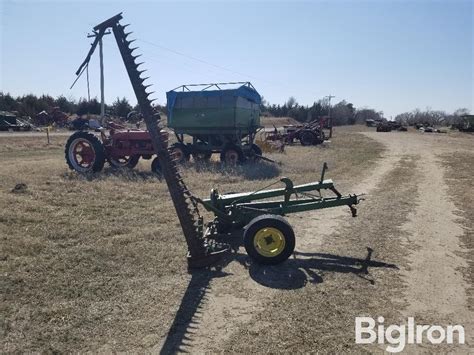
[[217, 117]]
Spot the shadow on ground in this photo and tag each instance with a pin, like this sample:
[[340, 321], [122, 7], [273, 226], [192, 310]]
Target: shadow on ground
[[294, 273], [309, 267]]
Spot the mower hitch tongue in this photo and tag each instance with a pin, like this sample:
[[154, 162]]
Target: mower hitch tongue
[[268, 238]]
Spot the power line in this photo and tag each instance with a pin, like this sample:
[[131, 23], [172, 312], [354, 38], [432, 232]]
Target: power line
[[200, 60]]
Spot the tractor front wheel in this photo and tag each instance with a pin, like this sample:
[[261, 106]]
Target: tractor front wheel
[[125, 162], [180, 153], [269, 239], [84, 152], [156, 167], [232, 155]]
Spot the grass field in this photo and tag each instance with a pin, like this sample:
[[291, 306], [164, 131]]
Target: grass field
[[81, 261], [97, 263]]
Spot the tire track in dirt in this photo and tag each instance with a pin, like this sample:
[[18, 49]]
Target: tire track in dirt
[[436, 291], [433, 241], [228, 307]]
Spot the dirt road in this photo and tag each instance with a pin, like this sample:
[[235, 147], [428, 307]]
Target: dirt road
[[410, 221]]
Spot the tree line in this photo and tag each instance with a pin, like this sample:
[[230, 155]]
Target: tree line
[[342, 113], [30, 105], [431, 117]]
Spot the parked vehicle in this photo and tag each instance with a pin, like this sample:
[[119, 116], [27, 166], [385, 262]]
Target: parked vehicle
[[9, 122], [79, 124], [219, 120], [311, 133], [120, 146]]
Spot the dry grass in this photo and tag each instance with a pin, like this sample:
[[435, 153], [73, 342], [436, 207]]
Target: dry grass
[[269, 122], [97, 262]]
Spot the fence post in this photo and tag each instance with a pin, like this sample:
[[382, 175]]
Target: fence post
[[47, 134]]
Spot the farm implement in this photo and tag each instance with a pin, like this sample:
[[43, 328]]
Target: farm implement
[[220, 117], [121, 147], [311, 133], [268, 238]]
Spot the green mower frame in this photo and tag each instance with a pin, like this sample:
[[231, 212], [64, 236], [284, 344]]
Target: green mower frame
[[268, 237]]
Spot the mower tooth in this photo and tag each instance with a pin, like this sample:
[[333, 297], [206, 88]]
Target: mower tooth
[[147, 86], [125, 26], [186, 207], [149, 93]]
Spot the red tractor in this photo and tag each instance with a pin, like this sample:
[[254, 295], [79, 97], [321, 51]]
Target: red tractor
[[121, 147]]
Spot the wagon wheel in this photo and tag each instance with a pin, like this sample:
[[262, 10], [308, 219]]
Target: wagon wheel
[[125, 162], [180, 152], [307, 138], [84, 152], [232, 155], [269, 239], [202, 154]]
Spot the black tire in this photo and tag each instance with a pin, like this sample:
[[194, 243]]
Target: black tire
[[307, 138], [319, 138], [277, 235], [125, 162], [180, 152], [91, 156], [232, 155], [156, 167], [201, 154]]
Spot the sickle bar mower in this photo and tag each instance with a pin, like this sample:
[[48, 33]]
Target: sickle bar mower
[[201, 252], [268, 238]]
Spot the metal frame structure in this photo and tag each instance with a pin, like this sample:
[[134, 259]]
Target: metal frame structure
[[238, 209], [231, 210]]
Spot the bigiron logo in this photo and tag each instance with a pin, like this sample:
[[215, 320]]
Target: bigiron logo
[[397, 336]]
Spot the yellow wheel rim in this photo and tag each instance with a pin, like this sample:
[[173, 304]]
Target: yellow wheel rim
[[269, 242]]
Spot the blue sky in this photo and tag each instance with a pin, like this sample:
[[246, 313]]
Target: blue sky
[[393, 56]]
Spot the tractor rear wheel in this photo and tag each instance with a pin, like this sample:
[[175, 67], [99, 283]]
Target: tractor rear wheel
[[180, 152], [232, 155], [125, 162], [84, 152], [307, 138], [269, 239]]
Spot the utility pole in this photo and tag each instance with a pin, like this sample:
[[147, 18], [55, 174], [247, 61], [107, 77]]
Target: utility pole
[[102, 93], [329, 97]]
